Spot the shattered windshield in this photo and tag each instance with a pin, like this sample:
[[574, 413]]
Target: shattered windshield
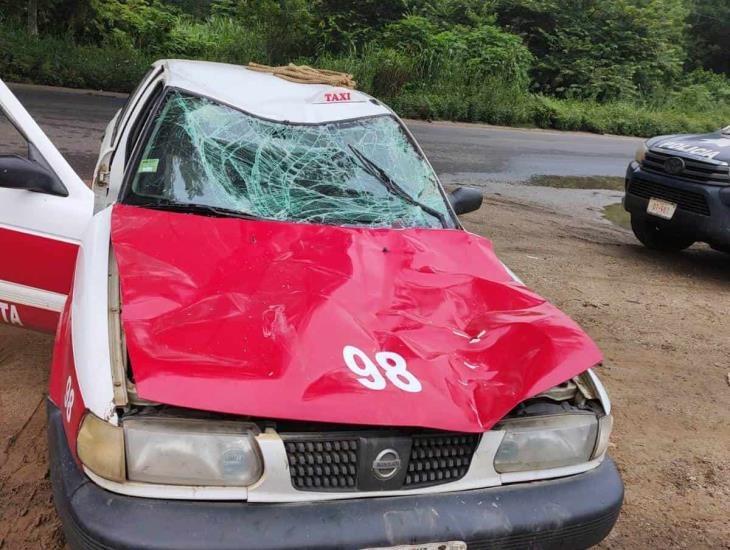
[[359, 172]]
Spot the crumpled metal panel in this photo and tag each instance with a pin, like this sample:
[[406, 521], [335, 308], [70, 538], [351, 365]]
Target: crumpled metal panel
[[252, 318]]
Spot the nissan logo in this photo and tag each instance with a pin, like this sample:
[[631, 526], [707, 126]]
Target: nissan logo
[[673, 165], [386, 464]]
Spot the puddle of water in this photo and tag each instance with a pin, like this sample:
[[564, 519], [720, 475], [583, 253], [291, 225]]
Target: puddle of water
[[613, 183], [587, 197]]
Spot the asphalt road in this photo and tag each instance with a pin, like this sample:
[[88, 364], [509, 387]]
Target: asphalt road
[[460, 153], [472, 153]]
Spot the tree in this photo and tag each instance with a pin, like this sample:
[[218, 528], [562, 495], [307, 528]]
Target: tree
[[600, 49], [33, 17], [348, 24], [709, 35], [287, 25]]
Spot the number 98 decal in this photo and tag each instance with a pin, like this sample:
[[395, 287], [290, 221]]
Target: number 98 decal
[[391, 364], [68, 399]]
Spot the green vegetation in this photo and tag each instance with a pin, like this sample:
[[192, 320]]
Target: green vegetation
[[636, 67], [615, 213]]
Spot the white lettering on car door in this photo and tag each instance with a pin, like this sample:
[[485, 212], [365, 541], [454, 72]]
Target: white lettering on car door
[[9, 314]]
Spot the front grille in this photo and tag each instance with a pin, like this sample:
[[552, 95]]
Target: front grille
[[334, 462], [323, 465], [439, 459], [690, 201], [695, 170]]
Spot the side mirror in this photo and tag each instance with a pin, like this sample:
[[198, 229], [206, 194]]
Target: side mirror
[[20, 173], [465, 199]]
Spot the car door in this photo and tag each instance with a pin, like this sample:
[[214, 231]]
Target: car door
[[107, 173], [44, 209]]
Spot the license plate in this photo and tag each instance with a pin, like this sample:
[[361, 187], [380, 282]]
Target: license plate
[[450, 545], [661, 208]]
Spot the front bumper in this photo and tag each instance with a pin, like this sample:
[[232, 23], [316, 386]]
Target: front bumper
[[703, 210], [572, 512]]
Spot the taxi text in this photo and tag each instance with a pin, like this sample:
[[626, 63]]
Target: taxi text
[[9, 314]]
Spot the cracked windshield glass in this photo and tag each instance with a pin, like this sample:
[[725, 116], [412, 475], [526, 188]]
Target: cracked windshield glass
[[204, 155]]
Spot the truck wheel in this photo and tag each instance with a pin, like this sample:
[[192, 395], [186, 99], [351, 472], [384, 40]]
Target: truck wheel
[[655, 237]]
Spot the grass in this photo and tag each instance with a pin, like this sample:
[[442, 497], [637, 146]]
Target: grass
[[615, 213], [613, 183]]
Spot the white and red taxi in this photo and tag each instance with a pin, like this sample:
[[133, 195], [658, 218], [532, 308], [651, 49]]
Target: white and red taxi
[[273, 332]]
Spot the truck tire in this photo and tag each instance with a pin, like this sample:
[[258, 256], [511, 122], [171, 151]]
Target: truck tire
[[655, 237]]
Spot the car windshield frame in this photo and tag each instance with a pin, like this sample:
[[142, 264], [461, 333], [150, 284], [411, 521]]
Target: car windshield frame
[[437, 214]]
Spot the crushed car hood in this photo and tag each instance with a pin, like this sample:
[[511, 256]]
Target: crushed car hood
[[255, 318], [714, 146]]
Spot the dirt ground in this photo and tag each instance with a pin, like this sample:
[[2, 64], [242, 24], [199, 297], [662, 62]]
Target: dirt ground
[[662, 321]]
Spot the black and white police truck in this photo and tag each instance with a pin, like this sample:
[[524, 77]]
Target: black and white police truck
[[678, 191]]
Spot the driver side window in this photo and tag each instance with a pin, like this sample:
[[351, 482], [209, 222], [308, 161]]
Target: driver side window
[[12, 142], [23, 167]]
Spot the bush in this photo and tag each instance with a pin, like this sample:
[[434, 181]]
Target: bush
[[609, 66], [602, 50], [382, 72], [469, 54], [218, 39], [132, 24], [622, 117], [60, 62]]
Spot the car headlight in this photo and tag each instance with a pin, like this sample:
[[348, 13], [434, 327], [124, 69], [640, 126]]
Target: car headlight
[[180, 451], [641, 153], [551, 441], [100, 446], [174, 451]]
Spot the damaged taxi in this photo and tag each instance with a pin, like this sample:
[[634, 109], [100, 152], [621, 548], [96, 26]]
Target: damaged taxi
[[273, 332]]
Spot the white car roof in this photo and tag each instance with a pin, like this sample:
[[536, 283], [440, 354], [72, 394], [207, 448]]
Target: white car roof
[[268, 96]]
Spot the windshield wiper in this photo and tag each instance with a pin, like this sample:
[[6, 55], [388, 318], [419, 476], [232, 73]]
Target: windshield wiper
[[382, 176], [205, 209]]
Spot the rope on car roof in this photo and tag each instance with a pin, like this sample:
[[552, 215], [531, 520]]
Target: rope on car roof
[[303, 74]]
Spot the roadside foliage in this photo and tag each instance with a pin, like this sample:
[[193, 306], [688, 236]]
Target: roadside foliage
[[614, 66]]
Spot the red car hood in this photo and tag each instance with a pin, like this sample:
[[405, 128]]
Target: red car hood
[[263, 318]]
